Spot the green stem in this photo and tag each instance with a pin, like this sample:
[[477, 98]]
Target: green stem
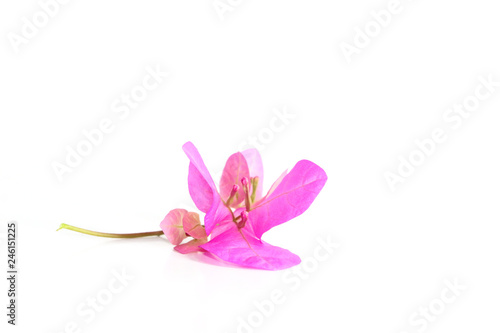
[[103, 234]]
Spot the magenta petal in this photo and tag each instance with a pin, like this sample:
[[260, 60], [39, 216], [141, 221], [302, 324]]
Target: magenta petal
[[172, 226], [191, 246], [273, 187], [294, 194], [200, 186], [236, 168], [192, 226], [240, 247], [216, 215], [221, 227], [200, 191], [255, 167]]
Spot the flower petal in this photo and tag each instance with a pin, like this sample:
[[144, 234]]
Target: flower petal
[[216, 215], [200, 191], [192, 226], [172, 226], [236, 168], [294, 194], [273, 187], [221, 227], [255, 167], [240, 246], [201, 186], [191, 246], [203, 190]]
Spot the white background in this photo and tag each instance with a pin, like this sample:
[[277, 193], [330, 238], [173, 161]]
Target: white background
[[397, 248]]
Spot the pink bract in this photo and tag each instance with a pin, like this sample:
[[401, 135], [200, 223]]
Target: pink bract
[[238, 215]]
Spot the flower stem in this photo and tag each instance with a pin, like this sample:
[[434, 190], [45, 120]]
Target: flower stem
[[103, 234]]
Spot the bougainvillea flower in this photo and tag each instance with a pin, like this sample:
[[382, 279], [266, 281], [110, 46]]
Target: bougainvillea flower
[[179, 224], [237, 215]]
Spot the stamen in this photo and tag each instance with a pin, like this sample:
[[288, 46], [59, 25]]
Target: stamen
[[244, 182], [255, 183], [244, 219], [234, 193]]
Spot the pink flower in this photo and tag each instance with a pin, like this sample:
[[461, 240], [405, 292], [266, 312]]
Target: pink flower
[[238, 215], [179, 224]]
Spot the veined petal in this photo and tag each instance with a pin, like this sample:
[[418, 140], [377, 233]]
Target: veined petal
[[273, 187], [222, 226], [236, 168], [202, 188], [255, 167], [217, 214], [191, 246], [294, 194], [240, 246], [172, 226], [192, 226], [199, 189]]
